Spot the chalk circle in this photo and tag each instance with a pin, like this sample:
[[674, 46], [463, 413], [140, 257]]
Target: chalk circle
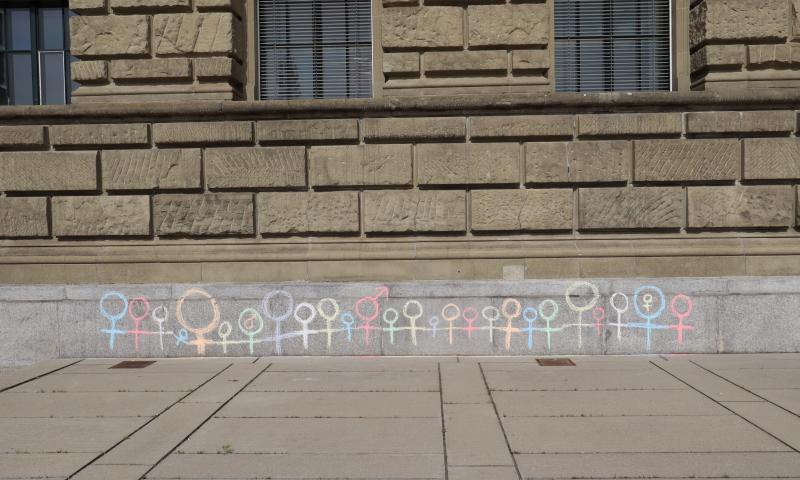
[[214, 312], [334, 306], [553, 306], [123, 311], [470, 314], [305, 319], [267, 308], [347, 319], [390, 316], [250, 322], [614, 304], [416, 305], [145, 305], [530, 314], [160, 319], [571, 291], [224, 330], [517, 308], [491, 313], [376, 307], [687, 303], [643, 291], [599, 314], [451, 312]]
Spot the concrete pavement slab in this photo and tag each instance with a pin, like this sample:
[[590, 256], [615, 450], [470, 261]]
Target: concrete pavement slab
[[745, 360], [115, 472], [17, 376], [570, 378], [64, 435], [474, 436], [225, 385], [463, 383], [427, 381], [333, 404], [706, 382], [762, 379], [482, 473], [581, 363], [778, 422], [301, 466], [170, 365], [92, 405], [788, 398], [357, 364], [42, 465], [317, 435], [114, 382], [604, 403]]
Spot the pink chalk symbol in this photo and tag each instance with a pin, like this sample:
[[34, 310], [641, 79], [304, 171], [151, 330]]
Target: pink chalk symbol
[[137, 319], [674, 308], [367, 319], [470, 315], [599, 314]]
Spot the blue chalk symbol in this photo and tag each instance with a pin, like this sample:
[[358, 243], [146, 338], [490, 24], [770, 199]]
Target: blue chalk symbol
[[348, 321], [649, 316], [530, 315], [113, 331]]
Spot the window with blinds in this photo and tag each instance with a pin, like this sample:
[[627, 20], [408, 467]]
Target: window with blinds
[[612, 45], [314, 49]]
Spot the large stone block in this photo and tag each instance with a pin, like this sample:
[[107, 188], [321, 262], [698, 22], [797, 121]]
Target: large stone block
[[740, 122], [719, 56], [686, 160], [771, 158], [308, 212], [624, 124], [464, 61], [425, 27], [509, 24], [521, 210], [199, 133], [203, 214], [155, 68], [578, 162], [767, 56], [89, 71], [740, 206], [476, 163], [100, 134], [306, 130], [48, 171], [23, 217], [100, 216], [401, 62], [87, 6], [359, 165], [218, 67], [521, 126], [256, 167], [149, 5], [538, 59], [719, 21], [630, 208], [414, 128], [151, 169], [414, 211], [22, 136], [109, 35], [191, 33]]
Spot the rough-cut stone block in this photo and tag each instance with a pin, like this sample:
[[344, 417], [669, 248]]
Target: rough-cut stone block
[[22, 136], [308, 212], [795, 20], [422, 27], [101, 216], [686, 160], [766, 56], [203, 214], [100, 134], [740, 122], [621, 124], [256, 167], [23, 217], [521, 126], [149, 5], [401, 62], [236, 6], [521, 210], [630, 208], [740, 206], [87, 6], [530, 59], [189, 33], [509, 24], [719, 56], [151, 169], [414, 128], [305, 130], [580, 162], [166, 68], [99, 36], [718, 21], [48, 171], [464, 61], [357, 165], [218, 67], [415, 211], [771, 158], [89, 71], [458, 163], [199, 133]]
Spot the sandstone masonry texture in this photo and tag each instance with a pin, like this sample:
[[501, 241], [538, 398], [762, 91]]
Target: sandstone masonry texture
[[22, 136], [389, 211], [360, 165], [476, 163], [308, 212], [97, 36], [521, 210], [100, 135], [464, 61], [521, 126], [306, 130], [401, 62], [89, 71], [630, 208], [199, 133], [204, 214], [218, 67], [148, 5], [256, 167], [740, 122], [717, 21], [740, 206], [166, 68], [766, 56], [414, 128], [623, 124], [48, 171], [191, 33], [509, 24], [151, 169], [771, 158], [122, 215], [405, 27], [687, 160], [719, 56], [23, 217], [538, 59], [579, 162], [87, 6]]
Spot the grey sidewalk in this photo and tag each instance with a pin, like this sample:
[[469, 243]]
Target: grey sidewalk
[[455, 418]]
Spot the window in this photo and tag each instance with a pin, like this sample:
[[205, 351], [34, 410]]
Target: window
[[34, 53], [612, 45], [314, 49]]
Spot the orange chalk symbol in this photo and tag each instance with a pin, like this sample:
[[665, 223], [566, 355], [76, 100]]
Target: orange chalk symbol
[[200, 333]]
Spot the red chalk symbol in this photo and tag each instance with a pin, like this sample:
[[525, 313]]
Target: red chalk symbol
[[599, 314], [137, 319], [367, 319], [674, 308], [470, 315]]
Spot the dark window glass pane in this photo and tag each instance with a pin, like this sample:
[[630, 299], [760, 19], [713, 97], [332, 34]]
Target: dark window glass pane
[[19, 23], [22, 84], [52, 79], [2, 29], [51, 29]]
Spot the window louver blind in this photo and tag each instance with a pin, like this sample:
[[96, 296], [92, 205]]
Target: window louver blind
[[608, 45], [315, 48]]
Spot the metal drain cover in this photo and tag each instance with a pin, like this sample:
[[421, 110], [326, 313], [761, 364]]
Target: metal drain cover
[[133, 364], [555, 362]]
